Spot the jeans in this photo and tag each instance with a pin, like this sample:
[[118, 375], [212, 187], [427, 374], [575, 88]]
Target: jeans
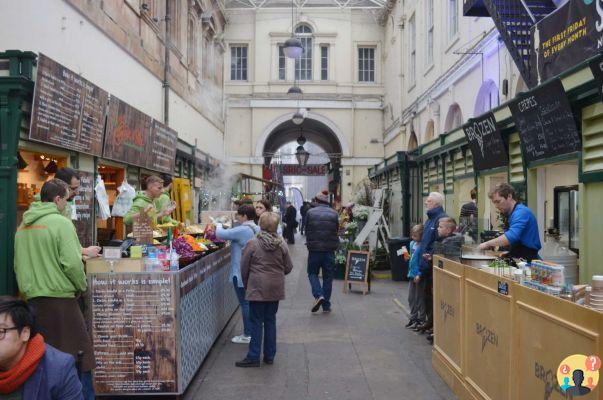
[[416, 300], [87, 385], [244, 306], [262, 316], [326, 261]]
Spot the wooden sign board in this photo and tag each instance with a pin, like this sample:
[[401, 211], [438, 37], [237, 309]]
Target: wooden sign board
[[68, 111], [84, 209], [142, 228], [165, 141], [357, 270], [133, 326]]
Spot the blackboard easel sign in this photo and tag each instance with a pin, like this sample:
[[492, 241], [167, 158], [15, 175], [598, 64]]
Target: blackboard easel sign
[[357, 271]]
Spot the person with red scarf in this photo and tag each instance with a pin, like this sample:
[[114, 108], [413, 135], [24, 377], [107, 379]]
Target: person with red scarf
[[29, 368]]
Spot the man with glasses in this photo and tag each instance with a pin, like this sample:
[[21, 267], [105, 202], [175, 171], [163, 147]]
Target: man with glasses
[[31, 369], [50, 274]]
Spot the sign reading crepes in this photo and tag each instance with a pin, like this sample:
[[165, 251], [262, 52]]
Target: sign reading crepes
[[68, 111], [305, 170], [486, 142]]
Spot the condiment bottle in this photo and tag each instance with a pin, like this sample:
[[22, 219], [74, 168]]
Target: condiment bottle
[[587, 292]]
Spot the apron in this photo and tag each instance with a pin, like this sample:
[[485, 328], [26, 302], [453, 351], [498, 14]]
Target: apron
[[519, 250]]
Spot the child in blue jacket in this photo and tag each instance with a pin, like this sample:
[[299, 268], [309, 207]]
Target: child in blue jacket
[[416, 286]]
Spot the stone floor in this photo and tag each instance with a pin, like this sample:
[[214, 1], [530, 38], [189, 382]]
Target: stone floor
[[359, 351]]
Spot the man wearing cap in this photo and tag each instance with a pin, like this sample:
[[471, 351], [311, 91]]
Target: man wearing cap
[[322, 240]]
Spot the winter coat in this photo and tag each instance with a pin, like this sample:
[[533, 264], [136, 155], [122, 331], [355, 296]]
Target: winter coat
[[48, 254], [238, 236], [290, 217], [54, 379], [322, 228], [416, 254], [264, 265], [430, 235]]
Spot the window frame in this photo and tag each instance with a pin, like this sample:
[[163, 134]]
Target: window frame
[[306, 59], [367, 68], [453, 19], [281, 62], [412, 32], [324, 62], [244, 68], [429, 23]]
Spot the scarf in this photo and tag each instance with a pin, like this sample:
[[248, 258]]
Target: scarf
[[14, 378], [269, 241]]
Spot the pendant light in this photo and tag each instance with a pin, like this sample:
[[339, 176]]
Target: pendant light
[[293, 46], [300, 153], [298, 118]]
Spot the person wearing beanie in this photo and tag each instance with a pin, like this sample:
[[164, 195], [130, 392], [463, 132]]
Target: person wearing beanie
[[322, 240]]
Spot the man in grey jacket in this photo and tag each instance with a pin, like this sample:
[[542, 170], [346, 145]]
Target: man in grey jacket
[[322, 240]]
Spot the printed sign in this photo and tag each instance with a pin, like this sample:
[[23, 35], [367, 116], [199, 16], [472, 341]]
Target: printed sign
[[68, 111], [305, 170], [485, 141], [164, 141], [84, 208], [545, 122], [566, 37], [503, 288]]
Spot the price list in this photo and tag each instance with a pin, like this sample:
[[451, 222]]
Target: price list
[[134, 331], [68, 110]]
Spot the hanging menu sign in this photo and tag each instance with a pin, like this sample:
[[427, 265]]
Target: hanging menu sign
[[84, 206], [134, 332], [128, 136], [485, 140], [596, 67], [545, 122], [165, 141], [68, 111]]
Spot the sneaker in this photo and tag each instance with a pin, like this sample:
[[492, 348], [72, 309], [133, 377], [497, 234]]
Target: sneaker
[[247, 363], [326, 311], [410, 324], [268, 361], [241, 339], [430, 338], [318, 303]]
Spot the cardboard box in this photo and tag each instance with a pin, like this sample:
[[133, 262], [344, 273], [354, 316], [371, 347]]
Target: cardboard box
[[100, 265]]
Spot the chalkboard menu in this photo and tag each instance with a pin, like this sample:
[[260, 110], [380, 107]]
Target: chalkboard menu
[[142, 228], [596, 66], [357, 267], [84, 207], [165, 141], [68, 111], [128, 136], [485, 141], [134, 332], [545, 122]]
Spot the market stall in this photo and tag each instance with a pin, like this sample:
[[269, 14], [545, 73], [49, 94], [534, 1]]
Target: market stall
[[496, 338]]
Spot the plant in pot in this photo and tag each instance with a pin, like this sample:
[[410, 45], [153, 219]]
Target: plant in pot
[[340, 261]]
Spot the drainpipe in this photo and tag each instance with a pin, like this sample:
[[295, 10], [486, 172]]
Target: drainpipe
[[166, 67]]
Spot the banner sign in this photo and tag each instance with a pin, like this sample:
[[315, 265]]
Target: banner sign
[[568, 36], [68, 111], [485, 140], [545, 122], [306, 170]]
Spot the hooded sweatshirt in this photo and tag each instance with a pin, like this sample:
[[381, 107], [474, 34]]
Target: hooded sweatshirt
[[140, 202], [264, 264], [161, 203], [48, 254]]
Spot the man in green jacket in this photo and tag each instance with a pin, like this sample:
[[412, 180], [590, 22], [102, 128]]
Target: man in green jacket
[[164, 202], [145, 201], [50, 273]]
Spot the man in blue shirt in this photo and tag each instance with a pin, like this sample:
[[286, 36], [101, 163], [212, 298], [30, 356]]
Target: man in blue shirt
[[522, 235]]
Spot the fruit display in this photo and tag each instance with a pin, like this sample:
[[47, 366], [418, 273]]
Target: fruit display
[[192, 242], [183, 248], [193, 230]]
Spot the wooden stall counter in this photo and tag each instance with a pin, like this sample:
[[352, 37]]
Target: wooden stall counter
[[496, 339], [152, 331]]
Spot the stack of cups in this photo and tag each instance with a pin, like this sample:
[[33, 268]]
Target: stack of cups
[[596, 295]]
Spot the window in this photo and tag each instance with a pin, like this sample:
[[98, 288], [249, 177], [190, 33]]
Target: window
[[413, 50], [366, 64], [282, 63], [566, 218], [303, 65], [192, 42], [453, 18], [174, 23], [429, 20], [487, 98], [238, 63], [324, 63]]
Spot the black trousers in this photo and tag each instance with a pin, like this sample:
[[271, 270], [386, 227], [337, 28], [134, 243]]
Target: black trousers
[[429, 300], [288, 233]]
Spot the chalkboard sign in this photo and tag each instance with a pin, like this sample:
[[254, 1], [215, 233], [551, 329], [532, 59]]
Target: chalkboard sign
[[545, 122], [596, 66], [357, 268], [128, 136], [133, 327], [84, 207], [485, 141], [164, 142], [68, 111], [142, 228]]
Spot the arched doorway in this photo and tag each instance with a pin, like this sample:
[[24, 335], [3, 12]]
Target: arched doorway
[[454, 118], [487, 98]]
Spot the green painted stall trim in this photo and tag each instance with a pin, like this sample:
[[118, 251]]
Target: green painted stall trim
[[516, 167], [459, 164], [592, 139], [553, 160], [591, 251], [455, 135]]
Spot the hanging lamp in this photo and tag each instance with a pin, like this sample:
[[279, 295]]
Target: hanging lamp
[[293, 46]]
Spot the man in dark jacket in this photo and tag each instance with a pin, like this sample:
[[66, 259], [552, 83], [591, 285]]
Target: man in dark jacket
[[29, 368], [322, 227], [435, 211], [290, 220], [304, 210]]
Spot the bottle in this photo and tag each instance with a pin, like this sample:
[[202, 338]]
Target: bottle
[[587, 292], [174, 261], [152, 263]]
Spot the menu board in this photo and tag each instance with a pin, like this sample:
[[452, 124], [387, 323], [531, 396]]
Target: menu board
[[128, 136], [596, 67], [134, 332], [165, 141], [68, 111], [84, 207], [142, 228], [357, 268], [485, 140], [545, 122]]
